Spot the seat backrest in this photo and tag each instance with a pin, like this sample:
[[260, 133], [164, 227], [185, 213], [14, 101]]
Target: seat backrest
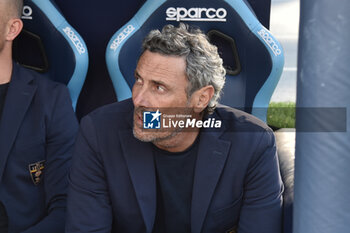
[[285, 142], [48, 44], [252, 57], [96, 22]]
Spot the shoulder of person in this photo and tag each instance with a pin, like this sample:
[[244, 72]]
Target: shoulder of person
[[43, 82], [252, 133], [115, 115], [239, 121]]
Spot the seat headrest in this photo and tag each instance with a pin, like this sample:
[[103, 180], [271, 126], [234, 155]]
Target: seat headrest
[[48, 44], [253, 58]]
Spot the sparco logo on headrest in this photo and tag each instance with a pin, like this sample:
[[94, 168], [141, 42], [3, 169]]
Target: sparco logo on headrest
[[75, 40], [196, 14], [270, 42], [121, 37]]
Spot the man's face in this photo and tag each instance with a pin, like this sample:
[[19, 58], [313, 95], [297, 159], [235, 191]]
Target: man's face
[[160, 82]]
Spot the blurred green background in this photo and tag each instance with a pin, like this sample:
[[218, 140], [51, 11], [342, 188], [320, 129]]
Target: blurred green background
[[281, 114]]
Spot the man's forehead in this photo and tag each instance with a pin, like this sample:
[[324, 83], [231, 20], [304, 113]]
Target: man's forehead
[[162, 64]]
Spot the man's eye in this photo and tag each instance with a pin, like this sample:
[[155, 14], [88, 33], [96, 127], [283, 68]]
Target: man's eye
[[138, 80], [160, 88]]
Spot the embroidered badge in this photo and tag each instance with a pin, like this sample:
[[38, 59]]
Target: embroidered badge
[[36, 171], [232, 230]]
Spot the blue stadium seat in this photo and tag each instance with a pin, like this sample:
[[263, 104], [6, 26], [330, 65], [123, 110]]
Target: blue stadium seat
[[48, 44], [252, 57], [285, 141], [96, 22]]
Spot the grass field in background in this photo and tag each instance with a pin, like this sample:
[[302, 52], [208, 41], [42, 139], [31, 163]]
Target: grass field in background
[[281, 114]]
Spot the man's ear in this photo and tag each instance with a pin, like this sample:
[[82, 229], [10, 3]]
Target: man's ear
[[14, 28], [201, 98]]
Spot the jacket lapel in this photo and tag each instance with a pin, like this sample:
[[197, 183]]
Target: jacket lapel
[[139, 159], [212, 154], [18, 99]]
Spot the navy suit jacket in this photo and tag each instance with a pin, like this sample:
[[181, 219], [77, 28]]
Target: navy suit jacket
[[37, 125], [112, 188]]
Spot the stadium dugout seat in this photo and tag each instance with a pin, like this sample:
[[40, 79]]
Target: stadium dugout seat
[[253, 58], [285, 141], [49, 45], [96, 22]]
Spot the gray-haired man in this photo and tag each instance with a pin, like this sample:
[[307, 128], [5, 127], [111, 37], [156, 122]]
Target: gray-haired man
[[171, 159]]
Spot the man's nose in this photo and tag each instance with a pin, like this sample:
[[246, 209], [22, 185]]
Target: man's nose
[[140, 97]]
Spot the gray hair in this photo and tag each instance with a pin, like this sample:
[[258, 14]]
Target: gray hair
[[203, 64]]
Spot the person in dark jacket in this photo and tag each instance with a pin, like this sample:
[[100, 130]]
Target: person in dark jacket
[[171, 159], [37, 132]]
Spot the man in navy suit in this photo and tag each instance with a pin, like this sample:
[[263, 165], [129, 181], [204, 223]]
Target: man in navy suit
[[171, 159], [37, 132]]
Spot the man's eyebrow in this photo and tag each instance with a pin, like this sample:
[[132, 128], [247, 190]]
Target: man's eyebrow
[[136, 74], [159, 83], [156, 82]]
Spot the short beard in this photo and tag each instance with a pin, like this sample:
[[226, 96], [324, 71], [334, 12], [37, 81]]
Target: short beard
[[154, 138], [163, 140]]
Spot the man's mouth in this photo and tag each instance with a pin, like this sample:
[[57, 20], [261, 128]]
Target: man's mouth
[[138, 119]]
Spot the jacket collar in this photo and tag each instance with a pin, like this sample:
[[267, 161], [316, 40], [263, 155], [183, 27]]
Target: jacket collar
[[139, 159], [18, 98]]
